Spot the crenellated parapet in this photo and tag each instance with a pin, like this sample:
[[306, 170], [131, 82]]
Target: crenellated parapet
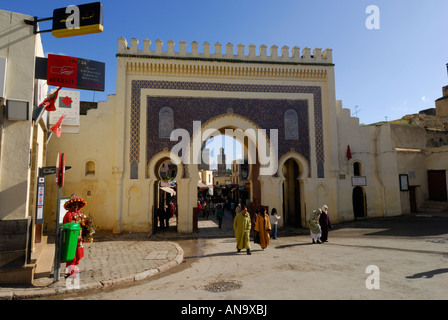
[[317, 56]]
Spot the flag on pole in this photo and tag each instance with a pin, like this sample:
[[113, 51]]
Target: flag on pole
[[349, 153], [50, 100], [57, 127]]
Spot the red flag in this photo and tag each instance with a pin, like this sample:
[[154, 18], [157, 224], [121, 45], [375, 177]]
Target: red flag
[[57, 127], [50, 100], [349, 153]]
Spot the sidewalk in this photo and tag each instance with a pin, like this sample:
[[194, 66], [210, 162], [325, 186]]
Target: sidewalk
[[119, 259]]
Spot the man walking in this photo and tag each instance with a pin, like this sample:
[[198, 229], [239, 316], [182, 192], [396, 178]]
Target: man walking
[[242, 225]]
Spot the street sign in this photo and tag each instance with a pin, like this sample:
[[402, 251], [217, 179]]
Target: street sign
[[40, 200], [47, 170], [50, 170], [77, 73], [78, 20]]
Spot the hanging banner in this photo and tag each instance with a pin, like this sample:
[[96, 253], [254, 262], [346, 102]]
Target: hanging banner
[[77, 73], [76, 20]]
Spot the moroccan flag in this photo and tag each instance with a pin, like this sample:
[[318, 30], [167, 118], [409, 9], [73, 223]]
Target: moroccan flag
[[349, 153], [50, 100], [57, 127]]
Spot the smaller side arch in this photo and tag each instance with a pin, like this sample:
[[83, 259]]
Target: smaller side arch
[[160, 157], [304, 168], [134, 196]]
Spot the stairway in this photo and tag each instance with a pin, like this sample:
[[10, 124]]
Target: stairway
[[44, 259], [432, 206]]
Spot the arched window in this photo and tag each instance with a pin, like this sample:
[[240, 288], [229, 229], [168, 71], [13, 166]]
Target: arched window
[[291, 125], [356, 169], [166, 122], [90, 169]]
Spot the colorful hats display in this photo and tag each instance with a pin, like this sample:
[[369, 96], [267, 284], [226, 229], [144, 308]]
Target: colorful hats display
[[75, 199]]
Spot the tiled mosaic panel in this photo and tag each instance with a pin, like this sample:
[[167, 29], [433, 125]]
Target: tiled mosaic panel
[[138, 85], [266, 114]]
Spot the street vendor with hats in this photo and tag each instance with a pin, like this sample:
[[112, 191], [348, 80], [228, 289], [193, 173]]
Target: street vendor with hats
[[74, 214]]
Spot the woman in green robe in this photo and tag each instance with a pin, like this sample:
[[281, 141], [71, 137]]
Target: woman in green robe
[[242, 225]]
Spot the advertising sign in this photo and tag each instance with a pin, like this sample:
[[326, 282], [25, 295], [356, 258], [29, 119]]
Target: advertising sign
[[76, 20], [77, 73]]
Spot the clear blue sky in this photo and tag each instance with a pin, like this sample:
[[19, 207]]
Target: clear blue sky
[[396, 70]]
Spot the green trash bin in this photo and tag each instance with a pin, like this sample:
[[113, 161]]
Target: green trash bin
[[70, 235]]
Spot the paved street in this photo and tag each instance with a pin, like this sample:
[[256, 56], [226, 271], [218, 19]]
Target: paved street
[[398, 258]]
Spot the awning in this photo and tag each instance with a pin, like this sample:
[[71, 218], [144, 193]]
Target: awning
[[168, 190], [203, 186]]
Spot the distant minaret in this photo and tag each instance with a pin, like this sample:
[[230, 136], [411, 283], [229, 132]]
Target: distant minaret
[[205, 161], [221, 162]]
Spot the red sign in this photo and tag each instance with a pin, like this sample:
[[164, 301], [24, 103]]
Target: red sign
[[62, 71], [77, 73]]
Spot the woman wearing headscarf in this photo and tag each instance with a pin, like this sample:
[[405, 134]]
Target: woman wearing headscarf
[[325, 224], [263, 227]]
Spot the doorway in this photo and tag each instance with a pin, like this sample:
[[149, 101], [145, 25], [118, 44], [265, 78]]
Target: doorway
[[359, 202], [437, 185], [291, 193], [412, 198], [165, 196]]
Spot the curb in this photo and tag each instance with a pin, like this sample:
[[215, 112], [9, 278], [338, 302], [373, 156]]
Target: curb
[[23, 294]]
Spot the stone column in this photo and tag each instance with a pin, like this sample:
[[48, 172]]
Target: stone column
[[272, 195], [118, 175], [185, 204]]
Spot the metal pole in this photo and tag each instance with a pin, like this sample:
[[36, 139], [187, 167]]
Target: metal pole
[[57, 242]]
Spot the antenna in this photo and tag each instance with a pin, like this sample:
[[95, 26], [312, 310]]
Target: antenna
[[356, 111]]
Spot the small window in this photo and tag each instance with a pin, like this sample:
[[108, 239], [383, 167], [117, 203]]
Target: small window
[[356, 169], [90, 169]]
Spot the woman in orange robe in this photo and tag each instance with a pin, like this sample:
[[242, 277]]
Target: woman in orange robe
[[263, 227]]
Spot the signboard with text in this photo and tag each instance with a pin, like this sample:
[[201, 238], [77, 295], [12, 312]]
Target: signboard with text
[[359, 181], [76, 20], [77, 73]]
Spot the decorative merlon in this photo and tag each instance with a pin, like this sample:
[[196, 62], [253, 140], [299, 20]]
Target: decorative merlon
[[317, 56]]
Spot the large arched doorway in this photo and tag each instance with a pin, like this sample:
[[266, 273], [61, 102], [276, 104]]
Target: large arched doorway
[[291, 193], [229, 159], [249, 136]]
